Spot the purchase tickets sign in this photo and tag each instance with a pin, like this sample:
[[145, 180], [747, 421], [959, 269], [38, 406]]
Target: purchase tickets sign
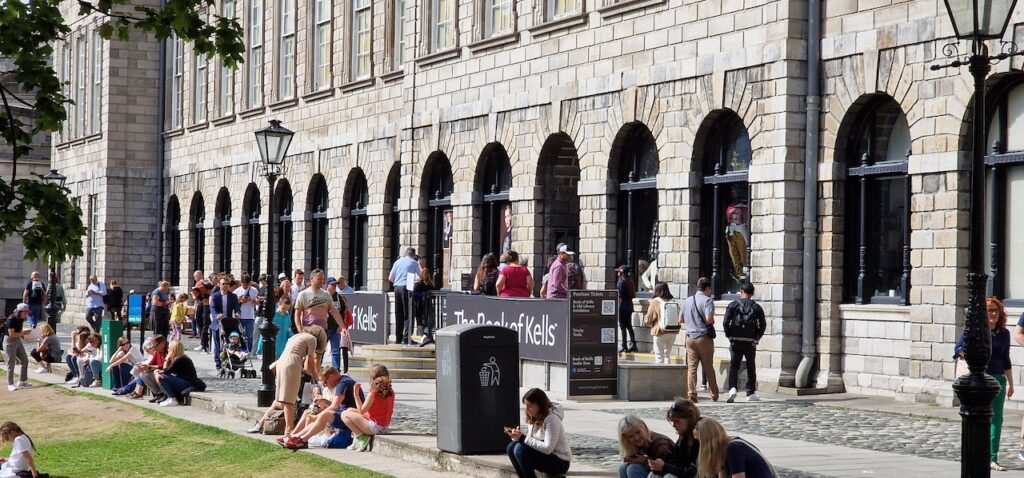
[[542, 325], [369, 317], [593, 357]]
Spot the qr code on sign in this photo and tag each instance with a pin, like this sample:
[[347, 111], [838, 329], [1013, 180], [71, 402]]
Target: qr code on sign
[[607, 307], [608, 335]]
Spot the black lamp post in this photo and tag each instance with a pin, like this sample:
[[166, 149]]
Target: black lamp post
[[53, 178], [272, 142], [977, 21]]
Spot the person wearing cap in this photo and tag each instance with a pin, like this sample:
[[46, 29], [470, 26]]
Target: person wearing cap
[[14, 348], [399, 274], [248, 299], [338, 348], [558, 275]]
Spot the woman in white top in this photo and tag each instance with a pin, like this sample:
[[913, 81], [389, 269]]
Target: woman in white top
[[545, 446], [20, 460]]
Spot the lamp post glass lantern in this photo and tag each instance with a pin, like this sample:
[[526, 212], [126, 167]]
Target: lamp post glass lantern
[[272, 143], [55, 178], [977, 21]]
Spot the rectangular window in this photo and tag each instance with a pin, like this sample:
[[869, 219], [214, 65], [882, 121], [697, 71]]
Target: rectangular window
[[443, 27], [286, 62], [97, 80], [398, 34], [560, 8], [177, 80], [361, 39], [255, 57], [226, 81], [321, 44], [199, 95], [94, 236], [497, 17], [82, 83], [67, 89]]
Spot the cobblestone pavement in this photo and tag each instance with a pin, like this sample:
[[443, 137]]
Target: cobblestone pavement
[[878, 431], [596, 451]]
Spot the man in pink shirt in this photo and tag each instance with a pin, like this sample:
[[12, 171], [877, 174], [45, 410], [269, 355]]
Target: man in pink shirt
[[558, 275]]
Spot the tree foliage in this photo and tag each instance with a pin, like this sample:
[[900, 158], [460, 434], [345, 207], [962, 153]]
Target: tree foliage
[[46, 218]]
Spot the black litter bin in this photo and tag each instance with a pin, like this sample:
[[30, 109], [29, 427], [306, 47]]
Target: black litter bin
[[477, 387]]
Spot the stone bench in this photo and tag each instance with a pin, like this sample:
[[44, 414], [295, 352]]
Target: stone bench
[[651, 382]]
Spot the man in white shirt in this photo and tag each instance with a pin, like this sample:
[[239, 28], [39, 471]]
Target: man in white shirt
[[400, 271], [248, 299], [94, 303], [297, 285]]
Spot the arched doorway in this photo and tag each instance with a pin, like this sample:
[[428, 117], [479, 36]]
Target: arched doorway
[[437, 190], [494, 180], [635, 161], [392, 218], [196, 219], [283, 231], [876, 238], [724, 161], [1005, 168], [317, 235], [222, 231], [357, 197], [172, 252], [558, 200], [251, 233]]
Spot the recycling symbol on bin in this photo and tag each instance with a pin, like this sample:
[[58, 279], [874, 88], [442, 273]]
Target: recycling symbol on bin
[[490, 374]]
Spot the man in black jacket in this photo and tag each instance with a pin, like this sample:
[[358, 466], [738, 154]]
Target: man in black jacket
[[744, 326]]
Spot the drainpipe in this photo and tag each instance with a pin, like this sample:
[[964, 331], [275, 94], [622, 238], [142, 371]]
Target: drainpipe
[[811, 141], [161, 91]]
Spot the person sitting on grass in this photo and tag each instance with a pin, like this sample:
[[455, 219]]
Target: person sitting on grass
[[79, 339], [372, 416], [638, 445], [122, 363], [338, 395], [683, 415], [48, 350], [90, 363], [179, 377], [545, 446], [19, 463]]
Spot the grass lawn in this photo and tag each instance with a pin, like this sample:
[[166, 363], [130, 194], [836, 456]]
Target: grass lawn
[[79, 435]]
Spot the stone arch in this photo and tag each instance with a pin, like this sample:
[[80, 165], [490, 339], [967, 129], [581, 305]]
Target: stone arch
[[222, 231], [392, 216], [557, 200], [633, 165], [492, 204], [197, 232], [317, 222], [283, 213], [251, 234], [356, 237], [172, 238]]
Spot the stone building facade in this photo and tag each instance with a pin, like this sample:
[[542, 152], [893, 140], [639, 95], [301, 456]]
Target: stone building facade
[[640, 131]]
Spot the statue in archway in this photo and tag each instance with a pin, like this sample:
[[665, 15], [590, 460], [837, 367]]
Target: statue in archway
[[737, 236]]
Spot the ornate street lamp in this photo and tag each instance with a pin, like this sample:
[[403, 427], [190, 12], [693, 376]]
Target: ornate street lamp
[[55, 178], [272, 142], [977, 21]]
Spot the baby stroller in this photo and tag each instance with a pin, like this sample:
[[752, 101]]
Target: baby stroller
[[234, 353]]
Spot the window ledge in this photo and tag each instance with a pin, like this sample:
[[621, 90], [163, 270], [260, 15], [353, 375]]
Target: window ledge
[[198, 126], [283, 104], [224, 120], [357, 84], [317, 95], [179, 131], [249, 113], [392, 75], [626, 6], [559, 24], [875, 312], [438, 57], [494, 42]]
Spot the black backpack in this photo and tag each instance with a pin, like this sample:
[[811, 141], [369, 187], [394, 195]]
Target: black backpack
[[744, 324], [36, 293]]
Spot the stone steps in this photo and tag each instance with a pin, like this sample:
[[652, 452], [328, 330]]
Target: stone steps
[[402, 361], [414, 363]]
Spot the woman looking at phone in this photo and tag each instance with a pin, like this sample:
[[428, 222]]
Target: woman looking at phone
[[545, 446]]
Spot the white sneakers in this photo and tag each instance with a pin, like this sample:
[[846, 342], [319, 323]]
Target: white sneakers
[[753, 398], [197, 348], [11, 388], [170, 402], [41, 370], [732, 395], [73, 381]]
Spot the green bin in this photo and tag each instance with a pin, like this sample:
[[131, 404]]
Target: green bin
[[110, 331]]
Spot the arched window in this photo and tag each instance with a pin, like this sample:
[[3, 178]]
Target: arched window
[[317, 204], [197, 216], [284, 228], [358, 228], [394, 192], [636, 155], [223, 234], [437, 187], [876, 237], [725, 204], [494, 181], [1005, 260], [251, 213], [173, 238]]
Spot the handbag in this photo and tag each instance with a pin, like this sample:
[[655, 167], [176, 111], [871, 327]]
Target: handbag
[[703, 320], [274, 424]]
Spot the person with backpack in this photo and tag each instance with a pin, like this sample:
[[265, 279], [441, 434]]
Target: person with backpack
[[699, 314], [663, 319], [35, 296], [744, 326]]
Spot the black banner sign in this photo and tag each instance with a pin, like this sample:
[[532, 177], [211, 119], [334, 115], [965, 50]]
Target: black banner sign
[[370, 317], [593, 357], [542, 325]]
